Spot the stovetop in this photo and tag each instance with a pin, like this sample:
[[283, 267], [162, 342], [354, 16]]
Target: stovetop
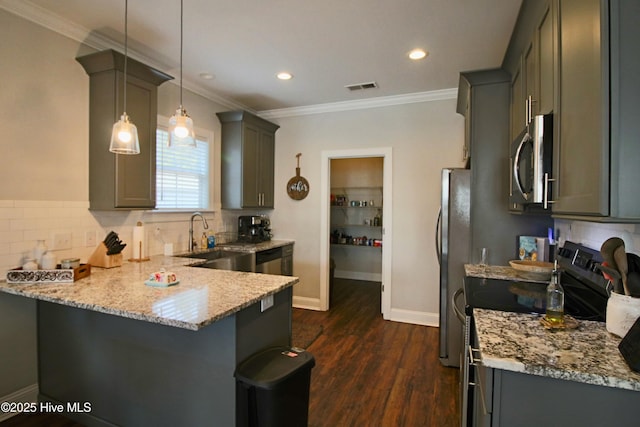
[[586, 290]]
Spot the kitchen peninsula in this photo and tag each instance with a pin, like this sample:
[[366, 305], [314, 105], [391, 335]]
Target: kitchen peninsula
[[161, 356]]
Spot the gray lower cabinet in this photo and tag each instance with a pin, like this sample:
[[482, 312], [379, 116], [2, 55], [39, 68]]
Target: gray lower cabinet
[[248, 152], [135, 373], [287, 261], [506, 398], [597, 154], [119, 181]]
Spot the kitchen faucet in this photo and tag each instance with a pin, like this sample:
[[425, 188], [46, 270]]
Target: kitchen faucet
[[192, 242]]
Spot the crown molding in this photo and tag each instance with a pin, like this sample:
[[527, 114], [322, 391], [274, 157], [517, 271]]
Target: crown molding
[[361, 104], [72, 30]]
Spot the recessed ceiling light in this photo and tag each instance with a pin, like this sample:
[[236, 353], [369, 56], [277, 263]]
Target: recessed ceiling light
[[416, 54], [206, 76], [284, 75]]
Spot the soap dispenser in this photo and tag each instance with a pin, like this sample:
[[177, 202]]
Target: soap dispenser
[[555, 299], [203, 241]]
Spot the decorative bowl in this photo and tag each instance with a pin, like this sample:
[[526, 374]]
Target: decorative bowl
[[538, 270]]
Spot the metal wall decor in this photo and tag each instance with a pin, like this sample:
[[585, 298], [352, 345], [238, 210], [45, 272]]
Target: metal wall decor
[[298, 186]]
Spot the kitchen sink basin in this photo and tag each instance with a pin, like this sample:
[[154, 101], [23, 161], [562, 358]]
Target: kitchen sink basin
[[225, 260]]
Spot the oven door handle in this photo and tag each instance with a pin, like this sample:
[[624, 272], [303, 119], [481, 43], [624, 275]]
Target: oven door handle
[[475, 356], [454, 306]]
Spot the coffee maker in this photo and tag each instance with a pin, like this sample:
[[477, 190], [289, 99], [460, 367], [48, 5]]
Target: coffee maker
[[254, 228]]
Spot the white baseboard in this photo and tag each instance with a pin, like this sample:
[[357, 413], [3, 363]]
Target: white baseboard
[[28, 394], [414, 317], [306, 303], [396, 315], [358, 275]]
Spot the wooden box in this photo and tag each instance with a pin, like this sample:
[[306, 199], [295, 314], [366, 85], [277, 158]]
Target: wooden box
[[59, 275]]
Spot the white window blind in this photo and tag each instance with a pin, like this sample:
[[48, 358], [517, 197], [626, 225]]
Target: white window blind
[[182, 174]]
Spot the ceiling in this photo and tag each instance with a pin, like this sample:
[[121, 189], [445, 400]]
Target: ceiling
[[326, 44]]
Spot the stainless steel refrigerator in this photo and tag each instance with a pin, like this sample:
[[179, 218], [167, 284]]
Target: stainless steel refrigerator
[[453, 240]]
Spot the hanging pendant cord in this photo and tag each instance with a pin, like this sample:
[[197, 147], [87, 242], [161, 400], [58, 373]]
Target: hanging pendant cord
[[126, 38], [181, 24]]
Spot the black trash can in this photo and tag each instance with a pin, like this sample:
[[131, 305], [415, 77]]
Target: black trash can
[[272, 388]]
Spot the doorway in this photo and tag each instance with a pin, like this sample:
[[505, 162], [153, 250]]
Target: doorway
[[382, 209], [356, 219]]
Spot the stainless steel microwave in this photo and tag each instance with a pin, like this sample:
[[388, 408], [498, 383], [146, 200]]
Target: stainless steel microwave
[[530, 160]]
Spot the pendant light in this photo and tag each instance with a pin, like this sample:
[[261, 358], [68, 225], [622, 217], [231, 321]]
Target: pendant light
[[181, 131], [124, 136]]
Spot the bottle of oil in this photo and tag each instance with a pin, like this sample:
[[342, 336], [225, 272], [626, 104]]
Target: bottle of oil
[[555, 299]]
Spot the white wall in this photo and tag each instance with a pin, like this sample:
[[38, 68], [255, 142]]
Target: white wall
[[425, 137]]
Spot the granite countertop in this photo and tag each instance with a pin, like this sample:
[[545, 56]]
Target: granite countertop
[[518, 342], [202, 297], [499, 272], [256, 247]]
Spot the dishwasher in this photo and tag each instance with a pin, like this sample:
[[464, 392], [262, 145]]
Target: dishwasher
[[275, 261], [269, 261]]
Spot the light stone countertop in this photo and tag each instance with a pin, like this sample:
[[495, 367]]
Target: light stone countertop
[[256, 247], [499, 272], [518, 342], [202, 297], [245, 247]]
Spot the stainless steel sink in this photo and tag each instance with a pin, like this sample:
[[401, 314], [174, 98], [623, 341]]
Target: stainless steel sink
[[225, 260]]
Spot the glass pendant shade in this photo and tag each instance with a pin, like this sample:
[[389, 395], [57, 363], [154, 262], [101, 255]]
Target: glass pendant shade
[[124, 137], [181, 133]]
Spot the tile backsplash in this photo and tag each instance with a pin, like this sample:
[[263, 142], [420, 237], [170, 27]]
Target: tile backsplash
[[24, 222], [593, 234]]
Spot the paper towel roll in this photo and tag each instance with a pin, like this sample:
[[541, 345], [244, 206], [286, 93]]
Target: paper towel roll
[[138, 241]]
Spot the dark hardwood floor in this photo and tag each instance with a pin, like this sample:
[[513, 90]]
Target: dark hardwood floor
[[369, 372], [372, 372]]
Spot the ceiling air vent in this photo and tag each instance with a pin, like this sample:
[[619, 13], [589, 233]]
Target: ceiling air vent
[[361, 86]]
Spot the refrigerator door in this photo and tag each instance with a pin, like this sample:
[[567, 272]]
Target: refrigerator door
[[454, 228]]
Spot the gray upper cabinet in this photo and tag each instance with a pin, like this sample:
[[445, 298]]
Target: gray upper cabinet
[[545, 41], [248, 152], [531, 64], [585, 63], [597, 154], [119, 181], [517, 105]]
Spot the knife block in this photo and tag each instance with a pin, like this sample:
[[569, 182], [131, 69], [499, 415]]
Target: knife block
[[99, 258]]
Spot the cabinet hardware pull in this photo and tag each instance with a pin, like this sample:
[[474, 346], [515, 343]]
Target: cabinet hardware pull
[[528, 108], [545, 191]]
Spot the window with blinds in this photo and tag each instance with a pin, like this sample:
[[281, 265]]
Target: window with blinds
[[182, 174]]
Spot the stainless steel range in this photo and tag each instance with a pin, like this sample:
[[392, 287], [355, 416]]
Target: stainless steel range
[[586, 294]]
